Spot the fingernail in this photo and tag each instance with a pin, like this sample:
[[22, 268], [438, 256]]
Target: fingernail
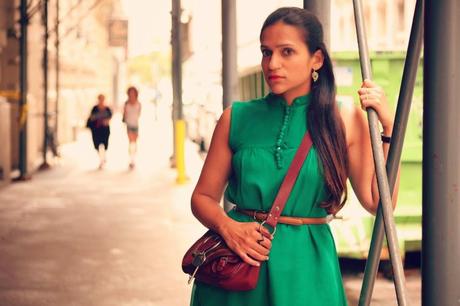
[[267, 258], [258, 264]]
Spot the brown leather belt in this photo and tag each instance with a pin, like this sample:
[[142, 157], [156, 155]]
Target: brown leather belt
[[262, 216]]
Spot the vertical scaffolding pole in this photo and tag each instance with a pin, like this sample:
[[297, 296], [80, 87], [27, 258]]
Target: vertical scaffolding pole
[[322, 9], [45, 164], [179, 123], [177, 52], [441, 158], [175, 48], [229, 59], [23, 88], [229, 53], [379, 162], [397, 139]]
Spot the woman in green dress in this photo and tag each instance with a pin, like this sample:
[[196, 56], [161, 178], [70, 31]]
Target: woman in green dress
[[252, 147]]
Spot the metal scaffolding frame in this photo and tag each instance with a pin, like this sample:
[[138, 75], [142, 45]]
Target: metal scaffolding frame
[[394, 156], [385, 184]]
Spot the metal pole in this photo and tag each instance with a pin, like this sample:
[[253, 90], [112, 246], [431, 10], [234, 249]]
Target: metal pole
[[229, 53], [176, 78], [179, 123], [177, 58], [441, 159], [45, 164], [23, 88], [379, 162], [322, 9], [56, 112], [397, 139], [229, 59]]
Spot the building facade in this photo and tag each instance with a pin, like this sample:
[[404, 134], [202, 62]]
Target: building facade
[[387, 24], [89, 63]]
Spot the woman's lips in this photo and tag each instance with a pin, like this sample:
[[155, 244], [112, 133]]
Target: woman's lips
[[274, 77]]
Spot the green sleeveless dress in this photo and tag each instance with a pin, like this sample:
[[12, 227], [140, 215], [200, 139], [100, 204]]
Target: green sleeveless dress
[[303, 268]]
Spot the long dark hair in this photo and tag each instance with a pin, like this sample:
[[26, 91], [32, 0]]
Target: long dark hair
[[323, 118]]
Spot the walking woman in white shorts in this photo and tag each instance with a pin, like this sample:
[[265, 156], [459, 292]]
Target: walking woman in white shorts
[[131, 114]]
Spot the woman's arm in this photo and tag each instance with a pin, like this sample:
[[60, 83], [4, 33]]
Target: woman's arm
[[240, 237], [93, 114], [361, 168], [108, 114], [213, 178]]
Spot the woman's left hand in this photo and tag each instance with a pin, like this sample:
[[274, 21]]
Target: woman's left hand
[[372, 95]]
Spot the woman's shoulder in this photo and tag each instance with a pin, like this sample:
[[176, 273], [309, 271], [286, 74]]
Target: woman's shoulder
[[249, 107], [250, 103], [346, 107], [241, 117], [352, 117], [238, 108]]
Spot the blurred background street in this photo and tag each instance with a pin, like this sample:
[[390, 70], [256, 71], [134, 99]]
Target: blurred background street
[[74, 234], [79, 236]]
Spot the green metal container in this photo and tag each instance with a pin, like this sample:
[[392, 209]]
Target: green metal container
[[354, 231]]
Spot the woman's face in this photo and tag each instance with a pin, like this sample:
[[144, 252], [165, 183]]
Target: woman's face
[[101, 100], [286, 61], [132, 95]]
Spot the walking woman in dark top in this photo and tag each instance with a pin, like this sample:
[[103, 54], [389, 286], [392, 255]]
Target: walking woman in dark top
[[99, 123]]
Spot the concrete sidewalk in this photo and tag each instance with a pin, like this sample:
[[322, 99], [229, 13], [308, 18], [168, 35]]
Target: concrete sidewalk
[[75, 235]]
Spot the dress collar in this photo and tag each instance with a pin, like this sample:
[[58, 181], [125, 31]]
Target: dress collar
[[299, 101]]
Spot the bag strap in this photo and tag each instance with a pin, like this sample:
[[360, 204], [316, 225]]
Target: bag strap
[[289, 180]]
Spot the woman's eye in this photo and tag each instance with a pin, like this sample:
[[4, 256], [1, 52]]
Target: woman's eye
[[288, 51], [266, 53]]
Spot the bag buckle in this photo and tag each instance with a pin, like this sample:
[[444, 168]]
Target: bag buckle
[[198, 259], [263, 224]]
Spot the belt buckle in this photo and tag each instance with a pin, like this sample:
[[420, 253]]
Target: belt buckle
[[255, 212]]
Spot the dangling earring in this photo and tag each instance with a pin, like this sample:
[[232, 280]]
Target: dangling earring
[[315, 76]]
